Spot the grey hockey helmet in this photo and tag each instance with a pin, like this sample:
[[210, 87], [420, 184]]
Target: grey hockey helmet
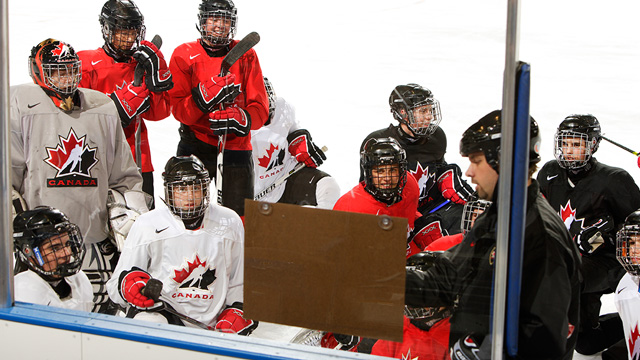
[[122, 28], [48, 243], [271, 94], [217, 22], [576, 140], [186, 187], [387, 186], [415, 106], [628, 244]]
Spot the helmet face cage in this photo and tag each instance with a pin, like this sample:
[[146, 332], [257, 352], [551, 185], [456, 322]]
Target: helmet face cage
[[217, 23], [471, 210], [423, 118], [122, 27], [385, 168], [188, 198], [54, 65], [573, 149], [53, 251], [271, 94], [628, 248]]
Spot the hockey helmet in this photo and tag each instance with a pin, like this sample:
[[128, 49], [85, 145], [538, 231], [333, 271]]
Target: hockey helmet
[[484, 136], [186, 186], [628, 244], [271, 94], [414, 106], [576, 140], [425, 317], [217, 13], [384, 151], [471, 210], [48, 243], [122, 28]]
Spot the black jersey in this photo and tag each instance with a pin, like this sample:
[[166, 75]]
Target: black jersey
[[600, 192], [424, 157]]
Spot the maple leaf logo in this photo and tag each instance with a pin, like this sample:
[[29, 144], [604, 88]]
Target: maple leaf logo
[[71, 156], [568, 214], [408, 356], [425, 179], [195, 274], [265, 160], [62, 50], [634, 344]]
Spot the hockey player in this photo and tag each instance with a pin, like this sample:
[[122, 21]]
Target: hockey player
[[593, 200], [110, 69], [278, 147], [194, 247], [550, 265], [68, 151], [219, 111], [49, 255], [627, 297], [442, 190]]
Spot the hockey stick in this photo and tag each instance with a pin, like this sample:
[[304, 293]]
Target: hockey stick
[[137, 81], [280, 181], [153, 289], [232, 56], [621, 146]]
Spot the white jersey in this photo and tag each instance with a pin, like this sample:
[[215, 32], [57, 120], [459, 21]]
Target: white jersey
[[69, 160], [31, 288], [202, 270], [627, 300], [271, 157]]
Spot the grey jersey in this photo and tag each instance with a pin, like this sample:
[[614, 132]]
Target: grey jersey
[[69, 160]]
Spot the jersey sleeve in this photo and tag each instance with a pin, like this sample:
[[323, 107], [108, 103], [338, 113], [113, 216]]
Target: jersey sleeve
[[183, 106], [234, 253], [327, 192], [18, 160], [124, 174]]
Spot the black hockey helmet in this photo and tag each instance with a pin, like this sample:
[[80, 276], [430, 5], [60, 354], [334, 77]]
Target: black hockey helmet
[[271, 94], [471, 210], [484, 136], [124, 16], [224, 10], [48, 243], [425, 317], [186, 173], [55, 66], [383, 151], [586, 128], [628, 244], [404, 99]]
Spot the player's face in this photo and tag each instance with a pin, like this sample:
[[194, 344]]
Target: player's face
[[218, 26], [123, 39], [187, 197], [422, 116], [385, 176], [483, 175], [62, 76], [634, 249], [55, 251], [574, 148]]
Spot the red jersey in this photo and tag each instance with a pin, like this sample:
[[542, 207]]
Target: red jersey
[[445, 243], [190, 65], [417, 343], [360, 201], [102, 73]]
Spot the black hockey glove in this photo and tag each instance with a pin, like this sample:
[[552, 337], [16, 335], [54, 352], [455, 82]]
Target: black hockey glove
[[231, 120], [158, 78], [452, 186], [591, 237], [304, 150], [130, 101], [216, 90]]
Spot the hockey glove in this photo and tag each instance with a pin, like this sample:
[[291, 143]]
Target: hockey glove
[[231, 120], [304, 150], [158, 78], [426, 230], [216, 90], [467, 348], [131, 100], [339, 341], [17, 202], [452, 186], [123, 212], [230, 320], [591, 237], [131, 284]]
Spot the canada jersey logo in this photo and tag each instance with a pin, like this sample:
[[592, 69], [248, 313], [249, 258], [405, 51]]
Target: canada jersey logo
[[425, 179], [73, 160], [195, 274], [272, 162], [633, 344]]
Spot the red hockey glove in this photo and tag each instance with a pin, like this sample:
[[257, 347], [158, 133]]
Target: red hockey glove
[[231, 320], [158, 78], [639, 161], [231, 120], [339, 341], [452, 186], [305, 151], [131, 284], [131, 100], [214, 91], [426, 230], [591, 237]]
